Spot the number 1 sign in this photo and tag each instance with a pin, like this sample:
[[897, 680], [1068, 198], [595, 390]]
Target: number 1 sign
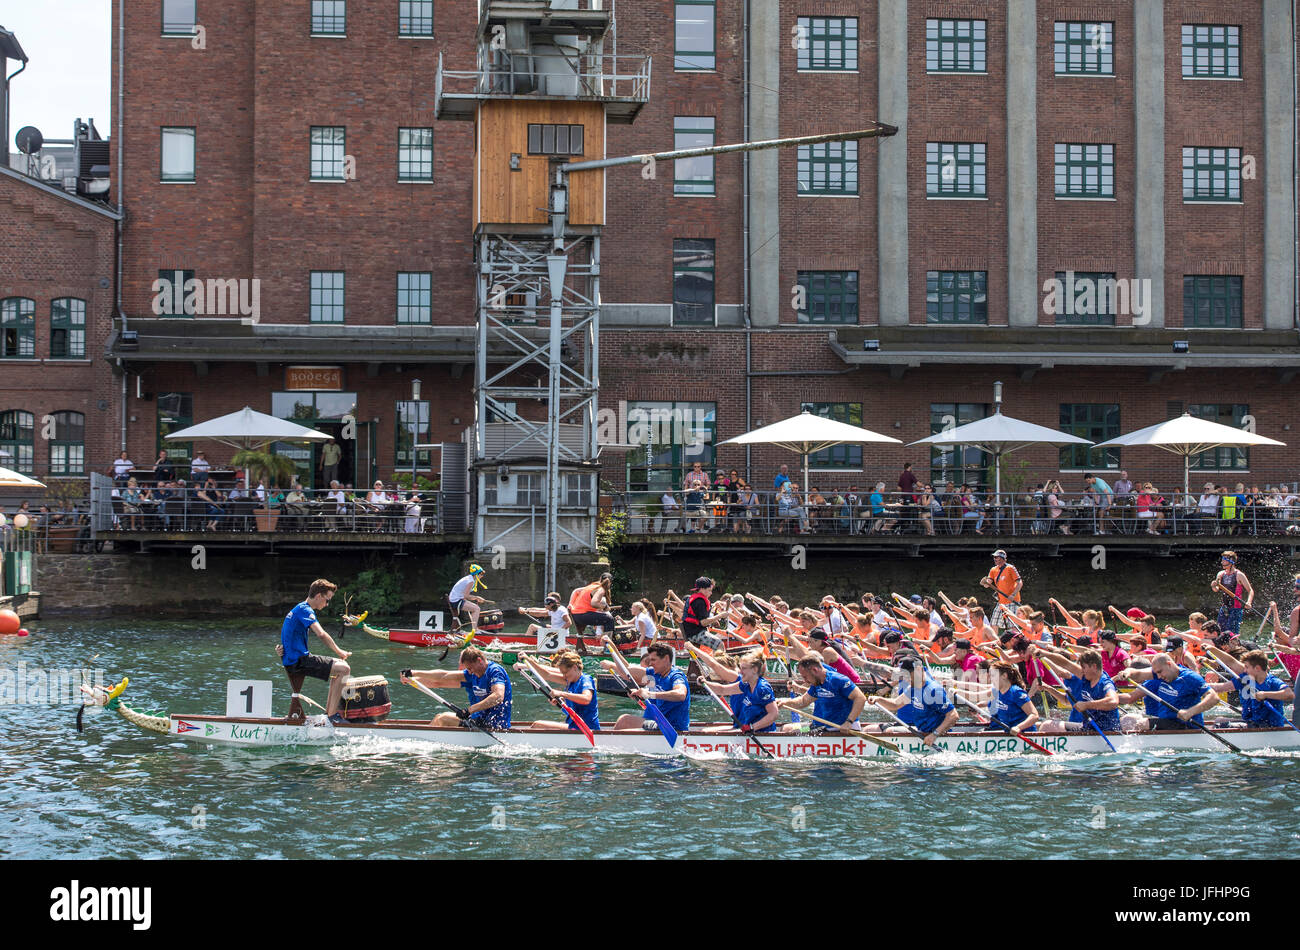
[[250, 699]]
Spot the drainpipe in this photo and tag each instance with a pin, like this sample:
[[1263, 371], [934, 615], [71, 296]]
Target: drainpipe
[[8, 95], [121, 183], [744, 309]]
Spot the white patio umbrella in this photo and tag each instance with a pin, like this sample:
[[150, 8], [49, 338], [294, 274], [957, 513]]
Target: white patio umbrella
[[248, 429], [1187, 436], [806, 434], [11, 479], [1001, 435]]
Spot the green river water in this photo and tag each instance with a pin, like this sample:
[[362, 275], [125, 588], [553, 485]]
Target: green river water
[[115, 791]]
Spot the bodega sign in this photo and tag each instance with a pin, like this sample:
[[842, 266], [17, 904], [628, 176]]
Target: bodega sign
[[77, 903]]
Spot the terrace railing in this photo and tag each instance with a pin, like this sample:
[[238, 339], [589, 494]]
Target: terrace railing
[[1005, 515]]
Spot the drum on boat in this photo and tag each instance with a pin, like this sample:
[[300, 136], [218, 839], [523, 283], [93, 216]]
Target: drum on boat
[[365, 699], [491, 621]]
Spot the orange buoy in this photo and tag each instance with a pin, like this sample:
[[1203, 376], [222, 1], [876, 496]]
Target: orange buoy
[[9, 622]]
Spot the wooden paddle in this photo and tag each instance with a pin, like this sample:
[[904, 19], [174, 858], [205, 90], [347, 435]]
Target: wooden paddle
[[1004, 727], [853, 732], [1217, 738]]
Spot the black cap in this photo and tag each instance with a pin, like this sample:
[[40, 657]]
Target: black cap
[[893, 637], [1174, 643], [817, 633]]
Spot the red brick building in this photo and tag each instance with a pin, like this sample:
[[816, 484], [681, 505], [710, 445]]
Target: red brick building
[[1142, 147]]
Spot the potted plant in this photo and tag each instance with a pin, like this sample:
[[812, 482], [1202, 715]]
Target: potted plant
[[62, 496], [269, 469]]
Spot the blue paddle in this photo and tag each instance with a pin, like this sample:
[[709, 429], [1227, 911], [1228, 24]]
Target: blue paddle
[[669, 733]]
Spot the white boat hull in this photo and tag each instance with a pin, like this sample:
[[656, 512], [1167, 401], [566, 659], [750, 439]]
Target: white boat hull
[[221, 730]]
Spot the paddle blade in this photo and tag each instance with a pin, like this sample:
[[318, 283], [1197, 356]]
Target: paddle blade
[[670, 734], [577, 721]]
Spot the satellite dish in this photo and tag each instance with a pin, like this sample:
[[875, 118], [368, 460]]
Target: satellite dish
[[29, 140]]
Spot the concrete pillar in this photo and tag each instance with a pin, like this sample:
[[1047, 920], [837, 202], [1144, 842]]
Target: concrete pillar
[[891, 165], [765, 46], [1149, 145], [1279, 152], [1022, 164]]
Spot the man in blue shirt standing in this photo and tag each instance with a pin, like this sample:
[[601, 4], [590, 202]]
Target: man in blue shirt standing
[[293, 646]]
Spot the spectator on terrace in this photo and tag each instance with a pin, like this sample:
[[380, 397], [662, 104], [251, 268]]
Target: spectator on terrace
[[1123, 487], [212, 499], [122, 466], [787, 506], [671, 512], [880, 512], [907, 484], [696, 485], [749, 505], [782, 478], [199, 468], [413, 509], [163, 471], [130, 504], [925, 510], [971, 507]]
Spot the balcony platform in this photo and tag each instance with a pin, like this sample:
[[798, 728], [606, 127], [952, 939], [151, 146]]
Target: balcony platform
[[270, 542]]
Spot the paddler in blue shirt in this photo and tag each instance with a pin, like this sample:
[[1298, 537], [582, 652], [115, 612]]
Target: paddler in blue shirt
[[660, 682], [487, 685], [1262, 693], [1010, 704], [1091, 691], [751, 697], [293, 646], [832, 695], [579, 690], [921, 702], [1186, 691]]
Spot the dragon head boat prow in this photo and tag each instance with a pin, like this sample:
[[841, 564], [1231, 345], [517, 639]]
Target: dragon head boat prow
[[112, 699]]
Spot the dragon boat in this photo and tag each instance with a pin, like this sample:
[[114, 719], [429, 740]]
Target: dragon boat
[[254, 732]]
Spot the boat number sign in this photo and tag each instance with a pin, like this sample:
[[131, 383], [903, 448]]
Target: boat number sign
[[248, 699], [430, 620]]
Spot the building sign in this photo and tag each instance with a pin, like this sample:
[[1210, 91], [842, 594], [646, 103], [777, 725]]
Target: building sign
[[320, 378]]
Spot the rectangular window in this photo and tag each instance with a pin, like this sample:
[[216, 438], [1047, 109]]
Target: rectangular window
[[177, 155], [329, 17], [412, 429], [577, 490], [1211, 52], [529, 489], [827, 43], [415, 154], [17, 328], [695, 44], [693, 265], [414, 297], [175, 412], [1222, 458], [693, 176], [178, 17], [68, 447], [669, 438], [68, 328], [1211, 174], [960, 464], [1085, 48], [328, 144], [169, 294], [1211, 300], [956, 46], [555, 139], [1096, 422], [830, 296], [828, 168], [839, 456], [959, 296], [17, 440], [955, 170], [1088, 298], [415, 18], [327, 296], [1084, 170]]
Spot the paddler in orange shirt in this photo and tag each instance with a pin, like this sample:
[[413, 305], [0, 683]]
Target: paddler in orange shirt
[[1006, 580]]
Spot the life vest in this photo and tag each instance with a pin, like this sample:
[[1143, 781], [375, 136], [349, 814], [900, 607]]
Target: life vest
[[690, 626], [581, 602]]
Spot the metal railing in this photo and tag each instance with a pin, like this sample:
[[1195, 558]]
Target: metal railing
[[195, 509], [607, 76], [1006, 515]]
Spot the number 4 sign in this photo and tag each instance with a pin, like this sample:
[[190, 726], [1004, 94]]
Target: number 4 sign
[[431, 620], [248, 699]]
